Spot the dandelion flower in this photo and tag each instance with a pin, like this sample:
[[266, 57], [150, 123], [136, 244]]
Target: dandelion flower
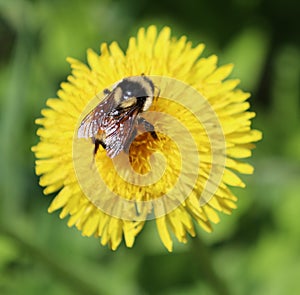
[[180, 178]]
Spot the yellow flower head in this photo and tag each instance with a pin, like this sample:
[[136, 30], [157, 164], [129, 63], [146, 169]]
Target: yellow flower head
[[179, 174]]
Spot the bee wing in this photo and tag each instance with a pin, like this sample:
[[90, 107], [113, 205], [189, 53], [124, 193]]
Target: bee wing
[[92, 122], [89, 126], [120, 131]]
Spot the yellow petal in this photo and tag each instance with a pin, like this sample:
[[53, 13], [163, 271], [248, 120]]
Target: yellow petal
[[220, 74], [164, 233], [232, 179]]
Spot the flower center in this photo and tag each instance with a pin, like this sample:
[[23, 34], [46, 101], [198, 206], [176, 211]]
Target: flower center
[[149, 171]]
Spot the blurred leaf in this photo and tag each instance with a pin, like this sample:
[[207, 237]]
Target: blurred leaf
[[248, 51], [166, 271], [286, 90], [287, 213], [8, 252], [273, 263], [292, 148]]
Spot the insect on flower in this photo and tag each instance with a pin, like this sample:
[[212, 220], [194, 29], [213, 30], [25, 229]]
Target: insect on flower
[[102, 201], [115, 121]]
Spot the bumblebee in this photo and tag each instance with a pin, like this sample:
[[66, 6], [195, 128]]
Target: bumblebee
[[115, 121]]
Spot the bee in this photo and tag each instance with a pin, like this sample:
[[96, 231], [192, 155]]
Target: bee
[[115, 121]]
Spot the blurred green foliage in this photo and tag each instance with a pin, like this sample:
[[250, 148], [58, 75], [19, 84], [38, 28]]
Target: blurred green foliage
[[254, 251]]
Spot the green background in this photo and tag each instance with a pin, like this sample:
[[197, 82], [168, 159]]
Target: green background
[[253, 251]]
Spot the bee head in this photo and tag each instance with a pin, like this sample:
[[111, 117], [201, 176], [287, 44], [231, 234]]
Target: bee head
[[137, 86]]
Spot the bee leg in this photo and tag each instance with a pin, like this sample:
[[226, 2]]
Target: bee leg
[[96, 147], [154, 135], [98, 142], [148, 126], [106, 91]]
